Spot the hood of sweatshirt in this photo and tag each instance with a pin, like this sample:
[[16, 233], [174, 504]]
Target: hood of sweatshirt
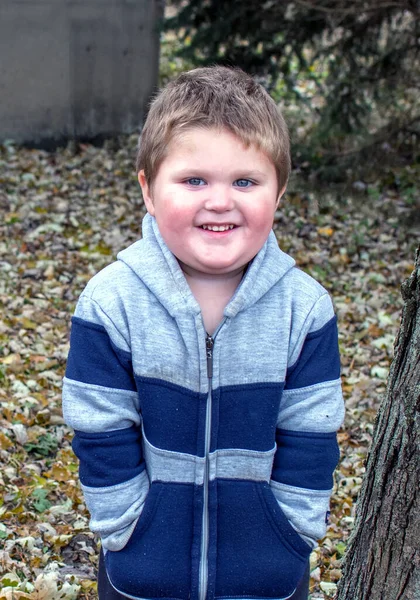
[[152, 261]]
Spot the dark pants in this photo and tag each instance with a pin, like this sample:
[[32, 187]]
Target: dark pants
[[107, 592]]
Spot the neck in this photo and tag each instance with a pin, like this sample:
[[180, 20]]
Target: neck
[[224, 281], [213, 294]]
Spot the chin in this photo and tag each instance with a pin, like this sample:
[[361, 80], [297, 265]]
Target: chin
[[224, 269]]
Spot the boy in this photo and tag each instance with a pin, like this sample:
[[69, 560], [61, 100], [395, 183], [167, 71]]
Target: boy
[[203, 376]]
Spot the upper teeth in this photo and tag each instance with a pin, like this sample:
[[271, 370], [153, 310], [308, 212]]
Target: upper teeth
[[218, 227]]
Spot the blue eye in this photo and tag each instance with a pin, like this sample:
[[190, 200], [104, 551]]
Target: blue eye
[[196, 181], [243, 183]]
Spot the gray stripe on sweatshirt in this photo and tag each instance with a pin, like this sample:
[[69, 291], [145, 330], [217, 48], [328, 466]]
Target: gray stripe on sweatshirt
[[96, 409], [318, 408], [177, 467], [241, 464], [114, 510]]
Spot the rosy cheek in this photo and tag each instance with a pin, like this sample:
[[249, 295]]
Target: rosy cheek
[[263, 222]]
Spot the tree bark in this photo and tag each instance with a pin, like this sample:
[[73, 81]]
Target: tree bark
[[383, 556]]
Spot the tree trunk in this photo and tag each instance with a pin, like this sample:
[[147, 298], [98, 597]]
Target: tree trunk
[[383, 556]]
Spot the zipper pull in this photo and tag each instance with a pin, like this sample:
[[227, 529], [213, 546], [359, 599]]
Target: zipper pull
[[209, 354]]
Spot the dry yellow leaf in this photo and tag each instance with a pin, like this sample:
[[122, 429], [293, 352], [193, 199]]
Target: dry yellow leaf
[[27, 323], [12, 359], [59, 473], [5, 442], [326, 231]]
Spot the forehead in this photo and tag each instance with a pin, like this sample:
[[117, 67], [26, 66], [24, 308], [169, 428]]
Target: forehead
[[213, 146]]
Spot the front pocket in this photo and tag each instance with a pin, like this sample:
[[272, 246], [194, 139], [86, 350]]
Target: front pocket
[[150, 506], [156, 562], [259, 554], [281, 524]]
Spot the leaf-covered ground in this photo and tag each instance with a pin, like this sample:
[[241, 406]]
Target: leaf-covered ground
[[64, 215]]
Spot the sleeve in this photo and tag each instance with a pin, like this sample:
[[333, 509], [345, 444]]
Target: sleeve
[[100, 402], [310, 413]]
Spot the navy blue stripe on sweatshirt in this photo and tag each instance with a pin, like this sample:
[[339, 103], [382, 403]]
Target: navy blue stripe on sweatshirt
[[305, 459], [245, 416], [319, 359], [173, 416], [96, 360], [109, 458]]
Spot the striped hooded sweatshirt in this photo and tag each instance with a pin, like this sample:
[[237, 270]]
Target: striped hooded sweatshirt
[[206, 462]]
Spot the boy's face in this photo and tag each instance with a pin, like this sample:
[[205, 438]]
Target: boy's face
[[213, 200]]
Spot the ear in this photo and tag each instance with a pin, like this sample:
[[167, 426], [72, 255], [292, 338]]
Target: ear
[[146, 192], [279, 197]]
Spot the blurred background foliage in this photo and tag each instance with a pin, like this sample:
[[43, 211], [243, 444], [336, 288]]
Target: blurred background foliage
[[346, 75]]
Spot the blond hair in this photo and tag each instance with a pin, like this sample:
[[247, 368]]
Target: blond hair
[[214, 98]]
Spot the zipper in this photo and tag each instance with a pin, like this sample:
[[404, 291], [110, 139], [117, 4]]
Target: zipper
[[203, 581]]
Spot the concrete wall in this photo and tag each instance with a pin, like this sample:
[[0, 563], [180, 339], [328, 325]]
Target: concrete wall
[[76, 67]]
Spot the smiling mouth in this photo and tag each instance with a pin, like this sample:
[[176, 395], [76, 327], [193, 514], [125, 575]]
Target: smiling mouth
[[217, 227]]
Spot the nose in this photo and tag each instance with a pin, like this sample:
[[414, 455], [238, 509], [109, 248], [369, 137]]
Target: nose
[[219, 198]]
